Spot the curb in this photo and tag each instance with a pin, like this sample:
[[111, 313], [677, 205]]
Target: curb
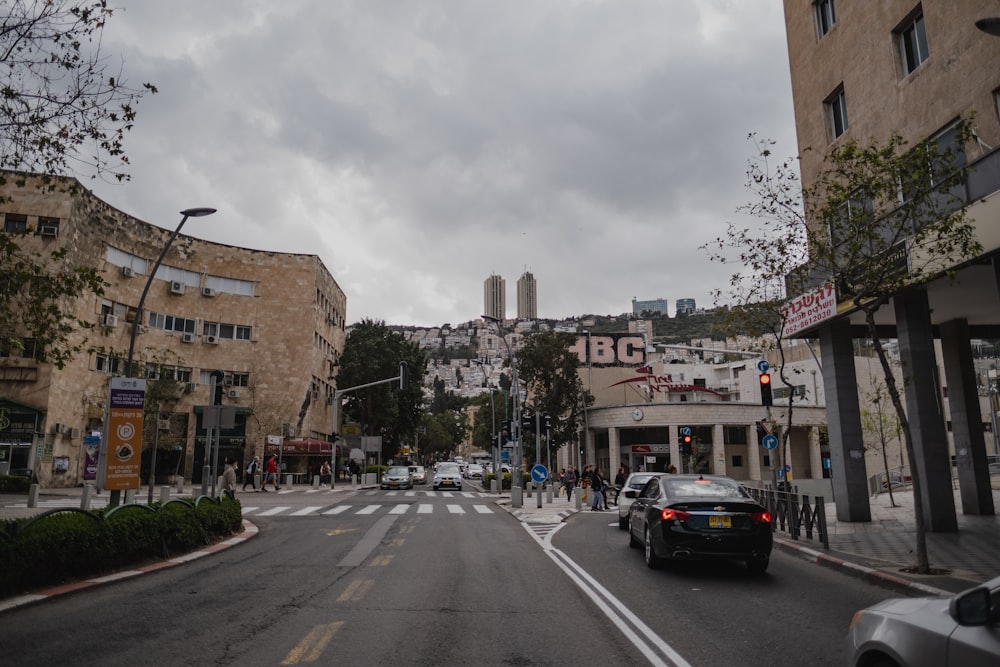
[[250, 531], [868, 574]]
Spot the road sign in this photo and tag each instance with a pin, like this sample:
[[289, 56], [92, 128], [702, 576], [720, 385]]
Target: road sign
[[539, 473], [769, 441], [762, 365], [685, 430]]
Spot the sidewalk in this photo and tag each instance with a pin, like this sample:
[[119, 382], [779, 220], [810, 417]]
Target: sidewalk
[[876, 551]]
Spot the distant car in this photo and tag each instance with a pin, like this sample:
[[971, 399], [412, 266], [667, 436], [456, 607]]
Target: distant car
[[700, 517], [448, 475], [419, 474], [633, 485], [397, 477], [941, 631], [474, 471]]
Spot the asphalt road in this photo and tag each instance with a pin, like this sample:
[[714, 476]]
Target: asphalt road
[[433, 580]]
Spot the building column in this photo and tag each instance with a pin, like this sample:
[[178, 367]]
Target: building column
[[718, 450], [815, 455], [847, 456], [923, 409], [753, 454], [675, 447], [966, 419], [589, 449], [614, 453]]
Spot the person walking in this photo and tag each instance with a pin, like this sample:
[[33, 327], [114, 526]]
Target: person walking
[[271, 474], [325, 475], [355, 470], [252, 468], [569, 481], [620, 482], [229, 478], [597, 489]]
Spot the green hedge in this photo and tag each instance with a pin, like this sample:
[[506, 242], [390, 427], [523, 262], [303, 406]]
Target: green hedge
[[14, 484], [65, 545]]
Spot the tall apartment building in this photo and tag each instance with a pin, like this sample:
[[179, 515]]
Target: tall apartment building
[[273, 323], [658, 306], [685, 306], [495, 297], [527, 297], [865, 71]]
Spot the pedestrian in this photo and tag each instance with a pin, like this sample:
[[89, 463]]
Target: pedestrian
[[252, 469], [620, 482], [355, 470], [569, 481], [229, 478], [596, 485], [270, 474], [325, 474], [672, 469]]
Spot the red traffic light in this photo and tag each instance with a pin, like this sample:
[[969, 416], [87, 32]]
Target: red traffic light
[[765, 378], [686, 439]]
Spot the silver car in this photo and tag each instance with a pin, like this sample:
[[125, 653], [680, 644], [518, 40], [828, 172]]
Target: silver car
[[448, 475], [962, 630], [633, 485]]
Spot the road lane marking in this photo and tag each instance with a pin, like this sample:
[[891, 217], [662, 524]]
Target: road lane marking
[[273, 511], [381, 561], [313, 644], [400, 509], [456, 509], [425, 508], [307, 510], [356, 590], [368, 542], [338, 509], [483, 509], [653, 646], [371, 509]]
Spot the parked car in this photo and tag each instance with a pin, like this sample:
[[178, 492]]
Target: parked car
[[941, 631], [702, 517], [448, 475], [397, 477], [474, 471], [419, 474], [629, 492]]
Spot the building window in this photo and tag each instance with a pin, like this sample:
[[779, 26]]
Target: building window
[[913, 43], [826, 15], [737, 461], [48, 226], [171, 323], [105, 364], [227, 331], [14, 223], [836, 106]]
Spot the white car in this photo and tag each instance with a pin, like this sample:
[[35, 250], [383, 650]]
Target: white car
[[941, 631], [448, 475], [633, 485], [474, 471]]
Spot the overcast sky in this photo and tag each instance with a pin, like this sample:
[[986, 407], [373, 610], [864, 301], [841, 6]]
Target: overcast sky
[[417, 146]]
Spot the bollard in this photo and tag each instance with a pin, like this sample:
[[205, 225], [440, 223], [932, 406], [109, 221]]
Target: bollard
[[578, 497], [548, 494], [180, 484], [33, 495], [530, 487], [515, 497], [87, 496], [164, 494], [129, 496], [315, 483], [288, 480], [257, 486]]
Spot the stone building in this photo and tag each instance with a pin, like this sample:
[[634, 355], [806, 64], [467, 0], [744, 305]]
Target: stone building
[[273, 323]]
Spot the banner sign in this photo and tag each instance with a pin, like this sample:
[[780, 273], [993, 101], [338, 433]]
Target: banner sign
[[610, 350], [662, 383], [122, 451], [91, 456], [809, 309]]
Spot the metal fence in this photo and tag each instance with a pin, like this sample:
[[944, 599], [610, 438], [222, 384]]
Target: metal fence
[[795, 514]]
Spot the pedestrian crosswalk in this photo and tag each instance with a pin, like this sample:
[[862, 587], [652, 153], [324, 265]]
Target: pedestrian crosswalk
[[361, 510]]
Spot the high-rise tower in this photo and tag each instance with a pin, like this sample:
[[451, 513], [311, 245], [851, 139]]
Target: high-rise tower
[[495, 297], [527, 297]]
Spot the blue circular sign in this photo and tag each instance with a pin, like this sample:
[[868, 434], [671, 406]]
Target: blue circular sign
[[769, 441], [685, 430], [539, 473], [762, 365]]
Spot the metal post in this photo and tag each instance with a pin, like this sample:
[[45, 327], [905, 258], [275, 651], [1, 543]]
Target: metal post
[[152, 458], [538, 450]]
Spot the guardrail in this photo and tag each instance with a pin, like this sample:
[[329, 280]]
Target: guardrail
[[794, 514]]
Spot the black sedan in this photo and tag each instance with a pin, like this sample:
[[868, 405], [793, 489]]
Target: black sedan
[[700, 517]]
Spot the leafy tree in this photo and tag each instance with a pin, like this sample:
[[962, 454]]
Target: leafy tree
[[61, 104], [373, 352], [876, 220], [881, 428], [549, 370]]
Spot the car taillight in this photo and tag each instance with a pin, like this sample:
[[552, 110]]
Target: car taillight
[[672, 514], [761, 517]]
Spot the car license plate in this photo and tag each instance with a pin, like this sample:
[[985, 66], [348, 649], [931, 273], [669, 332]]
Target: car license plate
[[720, 522]]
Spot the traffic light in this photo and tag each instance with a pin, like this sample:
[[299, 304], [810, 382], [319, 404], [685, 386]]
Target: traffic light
[[505, 432], [765, 389], [686, 444], [527, 423], [547, 421], [404, 375]]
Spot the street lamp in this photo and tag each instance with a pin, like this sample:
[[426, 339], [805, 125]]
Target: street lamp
[[515, 478], [187, 213]]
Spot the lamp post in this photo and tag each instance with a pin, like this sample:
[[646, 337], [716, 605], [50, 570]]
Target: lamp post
[[515, 479], [187, 213]]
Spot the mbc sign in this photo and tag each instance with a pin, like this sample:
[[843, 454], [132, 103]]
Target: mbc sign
[[611, 350]]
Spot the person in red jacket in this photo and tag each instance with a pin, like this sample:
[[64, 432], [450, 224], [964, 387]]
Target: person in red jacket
[[270, 474]]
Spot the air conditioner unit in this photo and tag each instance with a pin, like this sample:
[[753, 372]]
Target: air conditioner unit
[[207, 291], [127, 271], [110, 320], [59, 428], [176, 287], [163, 424], [212, 340], [189, 387], [234, 393], [187, 338], [48, 230]]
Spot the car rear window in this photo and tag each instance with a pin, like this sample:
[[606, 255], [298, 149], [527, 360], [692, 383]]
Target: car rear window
[[711, 488]]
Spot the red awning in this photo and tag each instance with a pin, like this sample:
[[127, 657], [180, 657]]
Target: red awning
[[301, 447]]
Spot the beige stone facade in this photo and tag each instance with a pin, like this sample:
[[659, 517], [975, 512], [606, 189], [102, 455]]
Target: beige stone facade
[[274, 323]]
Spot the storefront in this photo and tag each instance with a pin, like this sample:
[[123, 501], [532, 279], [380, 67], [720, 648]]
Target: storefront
[[302, 457], [18, 426]]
